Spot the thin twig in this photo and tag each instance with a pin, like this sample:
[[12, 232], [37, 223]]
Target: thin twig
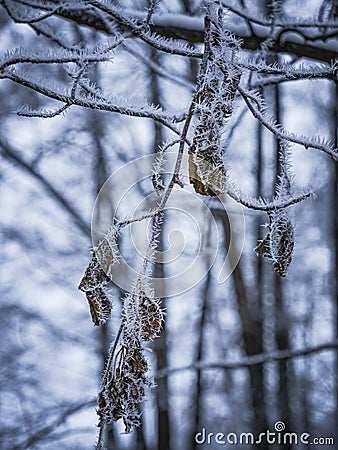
[[280, 133], [145, 36], [261, 205], [14, 156], [262, 358], [269, 23]]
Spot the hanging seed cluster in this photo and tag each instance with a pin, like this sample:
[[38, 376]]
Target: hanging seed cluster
[[122, 394], [279, 243]]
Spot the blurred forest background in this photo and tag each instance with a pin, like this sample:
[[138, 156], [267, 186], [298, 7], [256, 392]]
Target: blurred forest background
[[275, 337]]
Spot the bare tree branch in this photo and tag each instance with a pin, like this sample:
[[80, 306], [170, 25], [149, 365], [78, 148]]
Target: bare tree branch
[[14, 156], [42, 433], [190, 29], [257, 109], [249, 361]]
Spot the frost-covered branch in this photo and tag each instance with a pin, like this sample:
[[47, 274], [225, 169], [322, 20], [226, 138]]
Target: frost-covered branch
[[287, 72], [41, 56], [262, 204], [257, 107], [158, 42], [17, 16], [122, 106], [287, 23], [141, 322], [190, 29]]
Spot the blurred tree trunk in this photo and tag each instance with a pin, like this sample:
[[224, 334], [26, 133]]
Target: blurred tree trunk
[[140, 443], [281, 314], [251, 310], [252, 333], [160, 345], [197, 395], [335, 225], [161, 354], [259, 194], [100, 176]]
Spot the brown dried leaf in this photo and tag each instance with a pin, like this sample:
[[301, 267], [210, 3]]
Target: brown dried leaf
[[99, 306], [94, 276], [285, 250], [278, 244], [151, 317], [104, 255], [207, 172], [263, 247]]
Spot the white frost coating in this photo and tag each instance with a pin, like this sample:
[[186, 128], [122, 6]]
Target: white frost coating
[[181, 21], [171, 20], [261, 31], [329, 44], [292, 36], [192, 23]]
